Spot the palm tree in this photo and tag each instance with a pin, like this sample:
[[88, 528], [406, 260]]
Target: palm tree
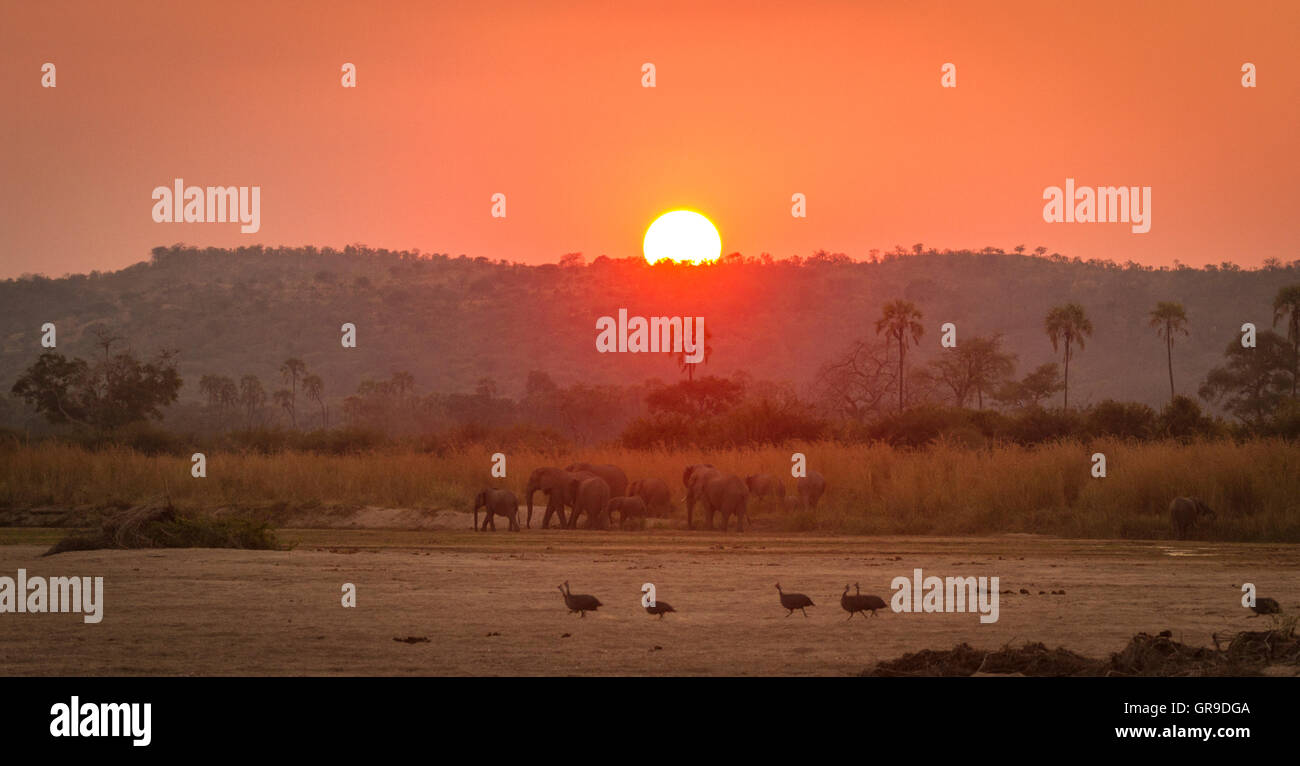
[[689, 367], [1287, 304], [1169, 319], [899, 319], [290, 371], [313, 386], [251, 395], [283, 398], [1070, 324]]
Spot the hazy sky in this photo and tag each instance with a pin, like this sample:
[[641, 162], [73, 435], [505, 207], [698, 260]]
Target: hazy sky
[[542, 101]]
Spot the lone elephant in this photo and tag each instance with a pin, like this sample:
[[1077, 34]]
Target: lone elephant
[[1185, 512], [496, 502], [590, 496], [811, 488], [658, 498], [612, 474], [719, 493], [626, 506]]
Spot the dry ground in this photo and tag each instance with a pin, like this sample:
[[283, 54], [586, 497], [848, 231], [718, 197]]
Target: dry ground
[[231, 612]]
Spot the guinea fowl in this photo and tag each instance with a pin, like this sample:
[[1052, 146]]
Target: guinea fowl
[[1266, 606], [869, 602], [793, 601], [580, 603], [660, 608], [860, 603]]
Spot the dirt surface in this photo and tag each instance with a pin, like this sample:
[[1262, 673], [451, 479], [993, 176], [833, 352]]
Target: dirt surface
[[488, 604]]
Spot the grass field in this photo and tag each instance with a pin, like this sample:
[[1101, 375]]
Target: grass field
[[873, 490]]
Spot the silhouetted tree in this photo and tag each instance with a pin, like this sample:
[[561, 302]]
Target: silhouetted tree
[[252, 396], [973, 367], [108, 394], [1169, 319], [1287, 306], [1068, 325], [1033, 389], [689, 367], [1254, 380], [314, 387], [900, 319], [291, 371]]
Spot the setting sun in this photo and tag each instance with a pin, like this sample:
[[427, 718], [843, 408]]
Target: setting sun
[[683, 236]]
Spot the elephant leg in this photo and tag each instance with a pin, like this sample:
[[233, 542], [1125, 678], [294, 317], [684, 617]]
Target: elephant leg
[[553, 510], [492, 521], [805, 612]]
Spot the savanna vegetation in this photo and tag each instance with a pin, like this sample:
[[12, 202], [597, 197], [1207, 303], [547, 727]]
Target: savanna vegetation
[[940, 407], [874, 489]]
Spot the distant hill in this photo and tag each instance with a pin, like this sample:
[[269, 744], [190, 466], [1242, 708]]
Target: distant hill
[[453, 321]]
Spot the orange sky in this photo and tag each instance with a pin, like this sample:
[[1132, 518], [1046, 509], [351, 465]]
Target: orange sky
[[542, 101]]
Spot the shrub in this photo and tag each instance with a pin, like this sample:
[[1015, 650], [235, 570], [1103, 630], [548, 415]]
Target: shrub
[[1125, 420]]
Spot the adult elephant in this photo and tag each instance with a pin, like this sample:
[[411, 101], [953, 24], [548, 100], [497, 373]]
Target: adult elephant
[[719, 493], [765, 485], [555, 483], [612, 474], [655, 493], [691, 469], [811, 488], [591, 496], [497, 502]]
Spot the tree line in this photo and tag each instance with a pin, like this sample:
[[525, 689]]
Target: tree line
[[867, 392]]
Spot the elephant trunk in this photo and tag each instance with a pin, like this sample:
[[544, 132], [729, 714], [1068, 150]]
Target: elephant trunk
[[532, 490]]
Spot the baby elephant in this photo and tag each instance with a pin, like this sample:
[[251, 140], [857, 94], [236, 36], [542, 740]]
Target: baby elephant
[[626, 506], [1184, 512], [497, 502]]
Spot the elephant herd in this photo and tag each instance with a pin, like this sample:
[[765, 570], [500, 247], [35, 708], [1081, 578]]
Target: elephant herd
[[601, 491]]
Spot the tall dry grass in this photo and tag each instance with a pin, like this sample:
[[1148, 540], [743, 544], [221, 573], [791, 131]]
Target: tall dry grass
[[1254, 486]]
